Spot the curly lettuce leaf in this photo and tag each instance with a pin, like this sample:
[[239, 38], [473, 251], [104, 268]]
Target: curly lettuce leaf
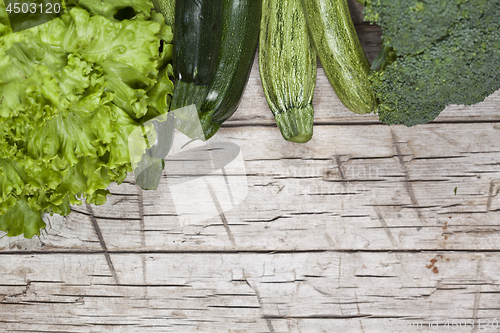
[[127, 66], [22, 219], [73, 90], [12, 181], [114, 9]]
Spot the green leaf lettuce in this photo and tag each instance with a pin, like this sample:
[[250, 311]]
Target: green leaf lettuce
[[72, 90]]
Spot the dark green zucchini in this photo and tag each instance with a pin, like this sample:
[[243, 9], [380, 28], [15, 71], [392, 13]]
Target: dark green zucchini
[[240, 34], [339, 50], [197, 36]]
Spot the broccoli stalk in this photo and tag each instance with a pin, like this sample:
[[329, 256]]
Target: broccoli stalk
[[384, 58]]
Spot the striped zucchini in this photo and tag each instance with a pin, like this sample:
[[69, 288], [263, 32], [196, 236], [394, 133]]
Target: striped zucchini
[[167, 8], [240, 34], [339, 50], [287, 63], [197, 36]]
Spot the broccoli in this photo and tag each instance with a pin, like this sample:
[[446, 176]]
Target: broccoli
[[435, 53]]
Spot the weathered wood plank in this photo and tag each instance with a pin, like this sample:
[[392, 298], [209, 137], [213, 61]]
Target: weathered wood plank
[[351, 187], [365, 148], [246, 292], [369, 233]]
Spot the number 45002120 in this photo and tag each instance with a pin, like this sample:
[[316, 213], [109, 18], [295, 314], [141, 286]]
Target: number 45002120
[[33, 8]]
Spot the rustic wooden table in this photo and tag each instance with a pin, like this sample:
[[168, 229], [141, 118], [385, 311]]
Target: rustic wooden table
[[359, 230]]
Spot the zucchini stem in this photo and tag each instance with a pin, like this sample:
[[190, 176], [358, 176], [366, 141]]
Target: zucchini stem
[[296, 124]]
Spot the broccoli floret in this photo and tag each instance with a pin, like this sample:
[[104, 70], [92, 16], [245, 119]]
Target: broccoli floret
[[459, 66], [410, 26]]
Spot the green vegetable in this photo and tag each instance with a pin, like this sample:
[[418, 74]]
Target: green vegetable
[[112, 10], [411, 26], [240, 34], [436, 53], [167, 8], [287, 63], [340, 52], [197, 37], [72, 90], [159, 135]]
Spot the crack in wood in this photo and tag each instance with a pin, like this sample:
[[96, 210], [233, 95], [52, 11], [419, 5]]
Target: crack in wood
[[267, 220], [249, 251], [359, 311], [329, 240], [120, 201], [340, 167], [143, 242], [332, 194], [228, 187], [22, 293], [452, 142], [314, 213], [113, 218], [141, 215], [102, 242], [320, 291], [386, 229], [221, 213], [259, 299], [335, 317], [491, 195], [477, 294], [375, 276], [407, 182]]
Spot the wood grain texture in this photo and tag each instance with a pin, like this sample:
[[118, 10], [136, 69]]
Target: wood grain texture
[[246, 292], [369, 187], [359, 230]]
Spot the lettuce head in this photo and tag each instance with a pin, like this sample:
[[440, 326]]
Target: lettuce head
[[71, 92]]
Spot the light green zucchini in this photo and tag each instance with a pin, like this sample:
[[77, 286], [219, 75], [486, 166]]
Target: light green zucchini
[[287, 64], [339, 50], [167, 8]]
